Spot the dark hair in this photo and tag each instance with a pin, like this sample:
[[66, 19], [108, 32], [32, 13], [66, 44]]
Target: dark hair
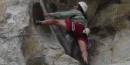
[[81, 10]]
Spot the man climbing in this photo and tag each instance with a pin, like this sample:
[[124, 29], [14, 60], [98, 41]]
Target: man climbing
[[74, 22]]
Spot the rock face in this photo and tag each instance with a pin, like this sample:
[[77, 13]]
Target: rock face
[[123, 63], [110, 29], [17, 18], [23, 43], [2, 10], [19, 42]]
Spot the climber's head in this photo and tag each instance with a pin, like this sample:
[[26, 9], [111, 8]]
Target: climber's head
[[82, 6]]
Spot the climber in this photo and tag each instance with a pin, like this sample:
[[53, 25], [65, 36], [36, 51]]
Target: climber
[[73, 21]]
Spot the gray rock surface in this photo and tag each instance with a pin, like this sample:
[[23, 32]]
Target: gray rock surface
[[17, 18], [2, 10], [123, 63], [112, 36], [17, 15], [126, 1], [23, 43]]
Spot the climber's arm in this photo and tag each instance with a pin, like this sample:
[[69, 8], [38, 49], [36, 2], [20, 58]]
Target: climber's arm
[[83, 48], [62, 14]]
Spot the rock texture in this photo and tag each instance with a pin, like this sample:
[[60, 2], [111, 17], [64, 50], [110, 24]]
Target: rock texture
[[40, 49], [17, 18], [23, 43], [2, 10], [110, 29], [123, 63]]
